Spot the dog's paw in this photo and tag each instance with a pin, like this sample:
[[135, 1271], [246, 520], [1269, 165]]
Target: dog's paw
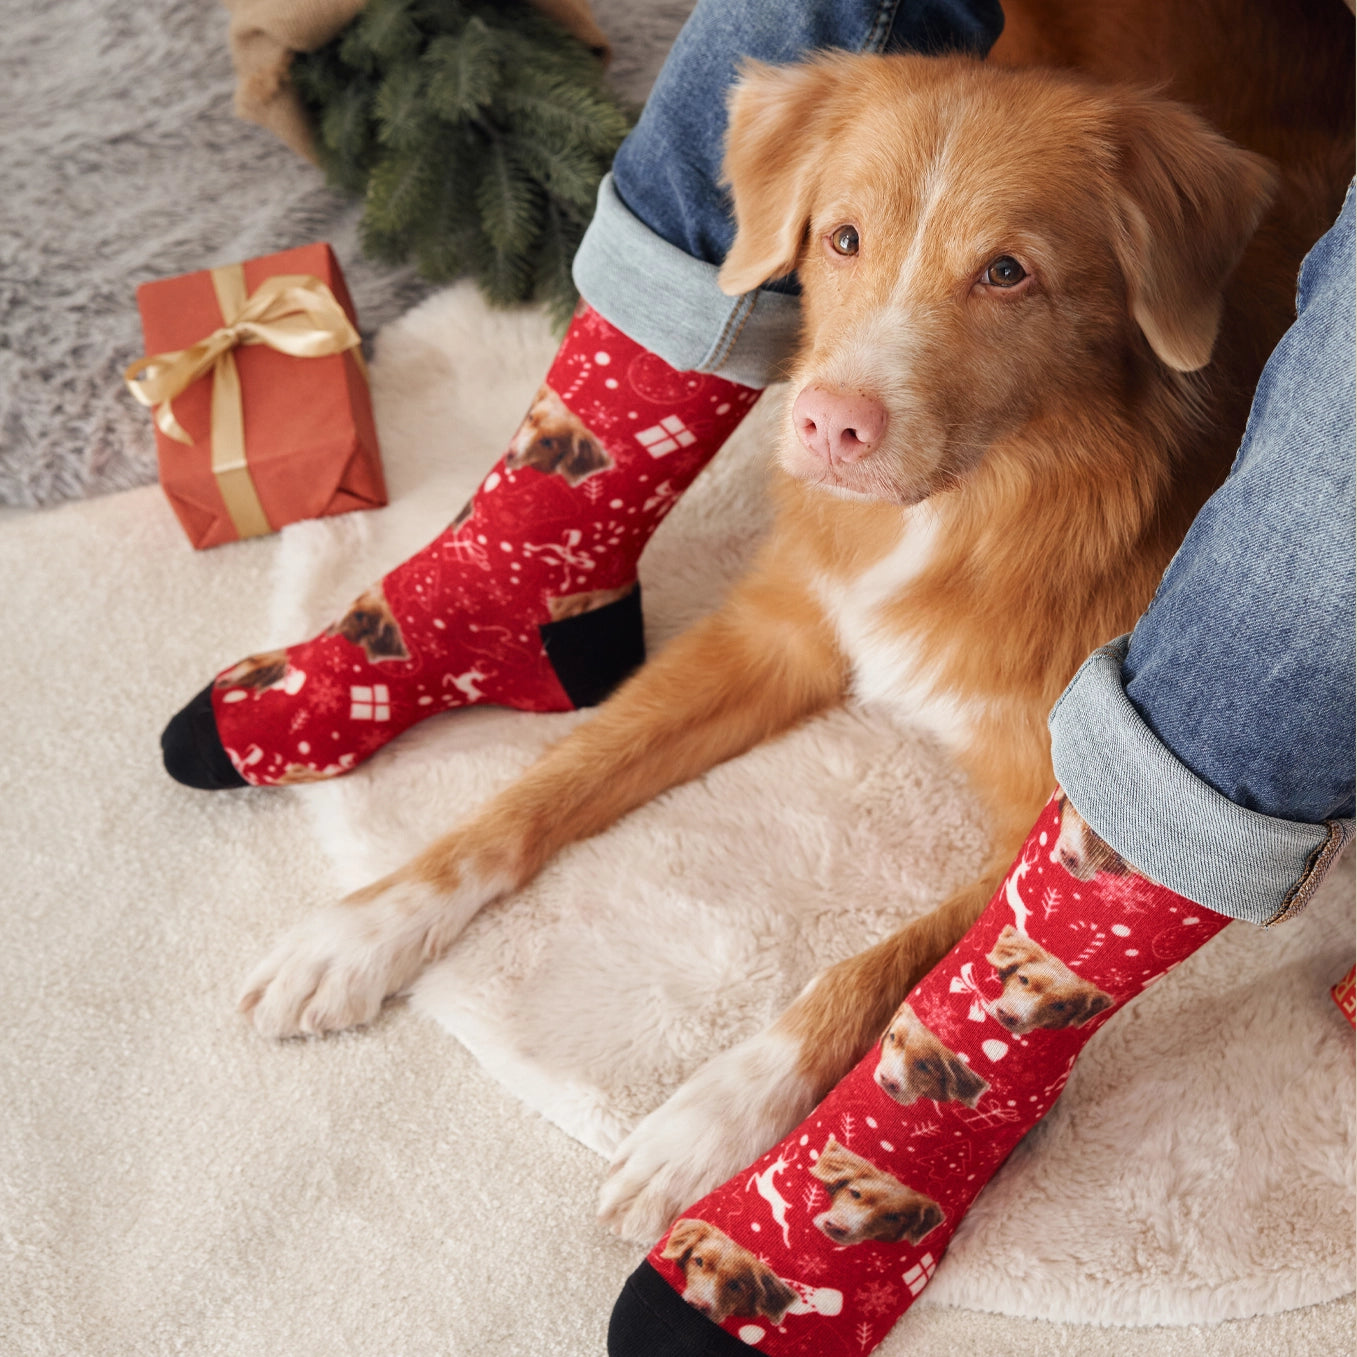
[[335, 969], [732, 1110]]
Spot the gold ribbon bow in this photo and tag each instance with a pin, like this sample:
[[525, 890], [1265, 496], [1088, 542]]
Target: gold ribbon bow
[[293, 313]]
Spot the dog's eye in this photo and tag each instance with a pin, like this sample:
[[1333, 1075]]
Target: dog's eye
[[855, 1194], [1023, 980], [697, 1260], [1004, 272], [844, 239]]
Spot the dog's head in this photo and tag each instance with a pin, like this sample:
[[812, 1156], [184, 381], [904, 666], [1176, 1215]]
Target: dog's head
[[371, 624], [722, 1278], [1080, 851], [974, 243], [1039, 989], [866, 1203], [915, 1064], [552, 439]]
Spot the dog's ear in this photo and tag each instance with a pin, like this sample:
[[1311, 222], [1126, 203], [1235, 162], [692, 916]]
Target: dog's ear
[[923, 1216], [832, 1167], [1090, 1003], [1011, 950], [388, 643], [1189, 202], [774, 1295], [684, 1238], [585, 458], [772, 155], [964, 1085], [897, 1023]]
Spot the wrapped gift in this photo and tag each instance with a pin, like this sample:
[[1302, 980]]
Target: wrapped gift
[[1345, 995], [260, 394]]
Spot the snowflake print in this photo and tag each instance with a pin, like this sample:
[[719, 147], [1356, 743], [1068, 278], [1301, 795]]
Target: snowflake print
[[811, 1265], [877, 1299], [369, 743], [327, 694]]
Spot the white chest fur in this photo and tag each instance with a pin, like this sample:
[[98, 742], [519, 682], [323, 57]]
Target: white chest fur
[[880, 649]]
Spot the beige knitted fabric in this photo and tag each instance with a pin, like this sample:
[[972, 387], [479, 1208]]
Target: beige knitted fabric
[[264, 34]]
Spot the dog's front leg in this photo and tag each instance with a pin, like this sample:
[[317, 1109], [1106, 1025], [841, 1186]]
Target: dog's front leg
[[754, 1094], [751, 670]]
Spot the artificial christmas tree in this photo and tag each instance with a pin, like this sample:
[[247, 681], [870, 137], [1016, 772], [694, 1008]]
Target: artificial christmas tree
[[477, 134]]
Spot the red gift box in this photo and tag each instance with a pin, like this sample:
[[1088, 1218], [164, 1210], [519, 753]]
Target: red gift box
[[297, 440], [1345, 995]]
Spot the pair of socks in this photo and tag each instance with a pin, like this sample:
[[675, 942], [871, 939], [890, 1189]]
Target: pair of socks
[[821, 1245], [528, 599]]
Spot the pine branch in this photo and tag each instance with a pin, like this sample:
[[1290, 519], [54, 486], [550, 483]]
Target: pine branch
[[554, 105], [463, 72], [506, 279], [401, 109], [399, 189], [388, 30], [509, 201], [552, 281]]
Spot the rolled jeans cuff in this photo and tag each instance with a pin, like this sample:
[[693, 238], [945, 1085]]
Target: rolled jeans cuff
[[1165, 821], [669, 302]]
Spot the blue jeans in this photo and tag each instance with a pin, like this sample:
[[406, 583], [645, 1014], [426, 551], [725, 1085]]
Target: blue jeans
[[1213, 748]]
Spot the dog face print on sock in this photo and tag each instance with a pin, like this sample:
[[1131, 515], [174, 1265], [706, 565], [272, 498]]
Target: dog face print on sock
[[852, 1212]]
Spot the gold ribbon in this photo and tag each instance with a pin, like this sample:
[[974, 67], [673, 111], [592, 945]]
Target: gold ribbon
[[293, 313]]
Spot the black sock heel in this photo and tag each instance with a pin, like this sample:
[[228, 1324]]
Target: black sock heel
[[594, 652]]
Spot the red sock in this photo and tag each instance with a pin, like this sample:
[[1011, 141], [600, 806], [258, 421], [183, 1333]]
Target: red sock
[[529, 599], [820, 1246]]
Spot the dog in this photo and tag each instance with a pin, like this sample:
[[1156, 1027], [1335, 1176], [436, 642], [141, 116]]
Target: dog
[[915, 1064], [268, 669], [554, 441], [722, 1278], [1039, 989], [866, 1203], [371, 624], [1080, 851], [1013, 394]]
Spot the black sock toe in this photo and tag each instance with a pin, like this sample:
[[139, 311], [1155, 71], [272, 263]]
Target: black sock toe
[[193, 750], [651, 1319]]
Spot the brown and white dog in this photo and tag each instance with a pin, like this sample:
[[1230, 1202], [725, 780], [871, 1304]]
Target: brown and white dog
[[916, 1064], [1079, 850], [1035, 305], [1039, 989], [371, 624], [866, 1202], [552, 440], [722, 1278]]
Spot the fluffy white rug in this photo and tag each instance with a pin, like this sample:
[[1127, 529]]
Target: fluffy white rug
[[1198, 1168]]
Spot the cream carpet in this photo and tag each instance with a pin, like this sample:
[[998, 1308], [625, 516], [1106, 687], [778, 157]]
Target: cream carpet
[[169, 1183]]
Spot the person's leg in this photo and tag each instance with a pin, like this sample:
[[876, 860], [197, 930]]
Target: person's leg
[[1211, 761], [529, 598], [1214, 746]]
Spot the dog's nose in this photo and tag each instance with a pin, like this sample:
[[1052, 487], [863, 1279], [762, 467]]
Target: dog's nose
[[836, 427]]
